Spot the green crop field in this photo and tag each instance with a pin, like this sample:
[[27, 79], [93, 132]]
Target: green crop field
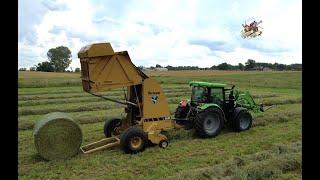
[[270, 149]]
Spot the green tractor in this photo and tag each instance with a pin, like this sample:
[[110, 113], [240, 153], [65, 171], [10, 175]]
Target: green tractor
[[214, 105]]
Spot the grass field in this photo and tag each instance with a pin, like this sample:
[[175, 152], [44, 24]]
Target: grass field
[[271, 149]]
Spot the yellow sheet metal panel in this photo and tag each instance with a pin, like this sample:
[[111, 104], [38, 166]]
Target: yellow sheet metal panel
[[158, 125], [109, 72], [96, 50], [155, 102]]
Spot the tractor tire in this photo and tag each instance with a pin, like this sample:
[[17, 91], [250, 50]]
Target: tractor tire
[[133, 140], [110, 125], [209, 123], [242, 121], [181, 112]]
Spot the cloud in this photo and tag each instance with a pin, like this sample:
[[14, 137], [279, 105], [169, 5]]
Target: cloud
[[214, 45], [54, 5], [56, 30], [265, 47], [165, 32]]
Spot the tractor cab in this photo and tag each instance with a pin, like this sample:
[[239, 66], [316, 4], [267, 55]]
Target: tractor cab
[[204, 95], [203, 92]]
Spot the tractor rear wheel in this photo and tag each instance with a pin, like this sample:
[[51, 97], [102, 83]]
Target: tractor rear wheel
[[133, 140], [110, 127], [243, 121], [209, 123]]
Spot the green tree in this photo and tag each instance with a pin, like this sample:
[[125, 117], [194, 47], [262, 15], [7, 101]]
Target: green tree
[[158, 66], [141, 67], [250, 64], [45, 66], [60, 58], [224, 66], [33, 68], [241, 66], [22, 69], [77, 70]]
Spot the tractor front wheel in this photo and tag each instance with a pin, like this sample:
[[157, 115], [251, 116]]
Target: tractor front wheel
[[133, 140], [209, 123], [243, 121]]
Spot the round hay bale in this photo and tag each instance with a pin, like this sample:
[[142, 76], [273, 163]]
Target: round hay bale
[[57, 136]]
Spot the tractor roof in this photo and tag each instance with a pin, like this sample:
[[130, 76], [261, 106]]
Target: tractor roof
[[207, 84]]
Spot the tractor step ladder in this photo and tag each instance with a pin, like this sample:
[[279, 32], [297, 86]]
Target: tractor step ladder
[[102, 144]]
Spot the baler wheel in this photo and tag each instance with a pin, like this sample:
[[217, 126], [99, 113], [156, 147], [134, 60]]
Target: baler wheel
[[164, 144], [110, 127], [133, 140]]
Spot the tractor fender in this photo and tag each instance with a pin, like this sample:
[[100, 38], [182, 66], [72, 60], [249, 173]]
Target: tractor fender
[[206, 106], [236, 111]]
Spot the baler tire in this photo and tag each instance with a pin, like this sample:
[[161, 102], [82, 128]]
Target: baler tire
[[127, 137], [238, 123], [163, 144], [110, 125], [202, 119]]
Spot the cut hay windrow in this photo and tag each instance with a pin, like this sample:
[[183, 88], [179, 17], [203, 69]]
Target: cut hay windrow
[[82, 94], [57, 136], [267, 164], [85, 117], [72, 107], [70, 90], [75, 99]]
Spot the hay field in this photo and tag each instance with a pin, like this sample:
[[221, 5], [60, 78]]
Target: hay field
[[271, 149]]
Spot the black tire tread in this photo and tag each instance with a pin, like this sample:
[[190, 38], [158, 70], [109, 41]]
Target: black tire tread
[[236, 124], [109, 126], [199, 122], [125, 136]]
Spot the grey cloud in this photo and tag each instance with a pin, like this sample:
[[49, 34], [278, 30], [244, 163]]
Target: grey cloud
[[27, 59], [214, 45], [82, 36], [29, 37], [156, 29], [52, 5], [105, 20], [264, 48], [72, 34], [56, 30], [28, 17]]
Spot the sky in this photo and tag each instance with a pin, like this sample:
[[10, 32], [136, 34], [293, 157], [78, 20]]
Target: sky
[[199, 33]]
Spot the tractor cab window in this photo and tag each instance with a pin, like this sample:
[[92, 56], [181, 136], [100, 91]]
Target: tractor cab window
[[217, 96], [199, 94]]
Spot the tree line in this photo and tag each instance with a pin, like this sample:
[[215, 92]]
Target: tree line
[[248, 66], [59, 59]]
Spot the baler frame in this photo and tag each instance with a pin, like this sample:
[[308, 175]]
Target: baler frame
[[147, 106]]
